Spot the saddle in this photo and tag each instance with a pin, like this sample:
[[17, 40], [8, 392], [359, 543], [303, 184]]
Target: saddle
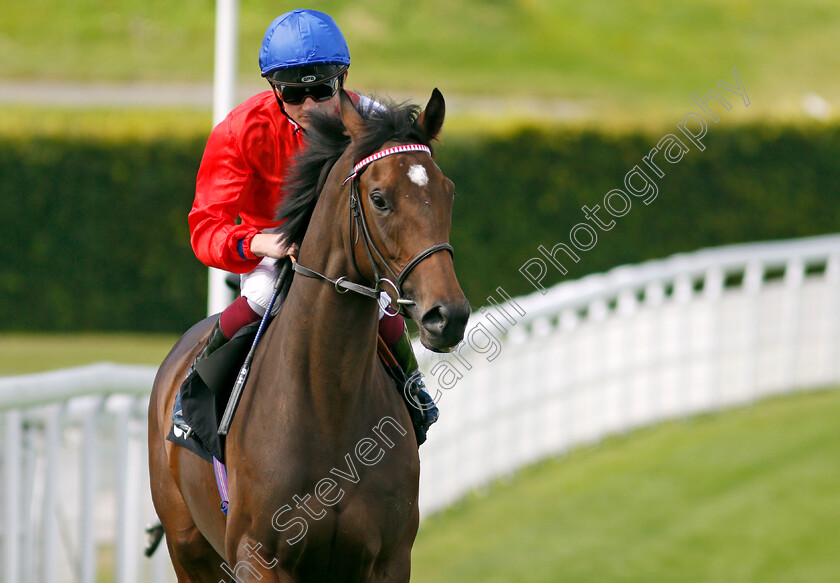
[[205, 394]]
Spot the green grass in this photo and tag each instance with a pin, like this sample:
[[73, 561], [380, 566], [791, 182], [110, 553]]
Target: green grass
[[632, 58], [749, 495], [30, 353]]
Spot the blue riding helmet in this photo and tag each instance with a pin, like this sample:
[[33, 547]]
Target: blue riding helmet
[[302, 38]]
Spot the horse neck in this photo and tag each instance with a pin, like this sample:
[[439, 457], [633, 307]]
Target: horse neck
[[329, 337]]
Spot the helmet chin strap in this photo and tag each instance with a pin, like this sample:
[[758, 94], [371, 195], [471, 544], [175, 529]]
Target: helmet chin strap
[[298, 127]]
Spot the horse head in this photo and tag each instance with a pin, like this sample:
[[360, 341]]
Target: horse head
[[405, 207]]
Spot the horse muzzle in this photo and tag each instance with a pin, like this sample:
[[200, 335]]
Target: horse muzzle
[[442, 325]]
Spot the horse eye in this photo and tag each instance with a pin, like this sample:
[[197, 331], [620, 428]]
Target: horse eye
[[379, 201]]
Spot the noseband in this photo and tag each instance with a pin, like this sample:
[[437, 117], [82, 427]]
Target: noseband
[[358, 224]]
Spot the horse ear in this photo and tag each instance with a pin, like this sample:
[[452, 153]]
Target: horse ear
[[431, 120], [350, 117]]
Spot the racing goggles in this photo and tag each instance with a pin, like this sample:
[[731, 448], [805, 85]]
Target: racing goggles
[[295, 93]]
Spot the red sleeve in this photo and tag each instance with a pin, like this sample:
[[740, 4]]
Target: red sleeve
[[223, 177]]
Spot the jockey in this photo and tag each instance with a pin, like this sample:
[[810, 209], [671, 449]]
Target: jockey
[[305, 59]]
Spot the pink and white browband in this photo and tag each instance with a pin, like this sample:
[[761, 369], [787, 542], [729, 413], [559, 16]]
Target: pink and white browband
[[386, 152]]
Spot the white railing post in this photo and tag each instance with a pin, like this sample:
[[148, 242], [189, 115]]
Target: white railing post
[[712, 293], [29, 474], [88, 493], [596, 317], [49, 519], [569, 382], [121, 437], [832, 277], [753, 282], [794, 277], [654, 299], [682, 296], [11, 498]]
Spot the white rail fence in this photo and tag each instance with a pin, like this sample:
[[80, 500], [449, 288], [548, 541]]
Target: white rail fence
[[74, 477], [660, 340], [599, 356]]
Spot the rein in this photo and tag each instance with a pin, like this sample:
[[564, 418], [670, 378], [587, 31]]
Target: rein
[[358, 221]]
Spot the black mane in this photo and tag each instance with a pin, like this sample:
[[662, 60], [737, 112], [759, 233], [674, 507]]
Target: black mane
[[324, 144]]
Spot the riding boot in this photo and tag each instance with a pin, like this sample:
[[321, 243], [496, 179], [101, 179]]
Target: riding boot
[[216, 340], [425, 411]]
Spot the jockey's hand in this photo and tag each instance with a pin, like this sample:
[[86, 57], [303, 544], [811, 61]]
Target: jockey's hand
[[270, 245]]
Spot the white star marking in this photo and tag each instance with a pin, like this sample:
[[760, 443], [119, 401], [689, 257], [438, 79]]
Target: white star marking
[[417, 174]]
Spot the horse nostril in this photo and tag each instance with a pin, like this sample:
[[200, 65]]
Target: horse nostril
[[447, 319], [434, 320]]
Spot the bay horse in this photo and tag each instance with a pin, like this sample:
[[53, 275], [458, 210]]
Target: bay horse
[[321, 458]]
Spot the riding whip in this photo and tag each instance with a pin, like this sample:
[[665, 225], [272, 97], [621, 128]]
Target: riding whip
[[239, 385]]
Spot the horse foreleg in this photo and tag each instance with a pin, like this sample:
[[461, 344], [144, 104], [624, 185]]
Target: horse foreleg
[[397, 567], [253, 563], [194, 559]]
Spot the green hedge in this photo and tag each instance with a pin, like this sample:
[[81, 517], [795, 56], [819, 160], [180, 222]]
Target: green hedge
[[95, 234], [751, 183]]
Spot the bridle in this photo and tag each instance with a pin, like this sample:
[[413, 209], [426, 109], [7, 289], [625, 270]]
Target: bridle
[[358, 225]]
